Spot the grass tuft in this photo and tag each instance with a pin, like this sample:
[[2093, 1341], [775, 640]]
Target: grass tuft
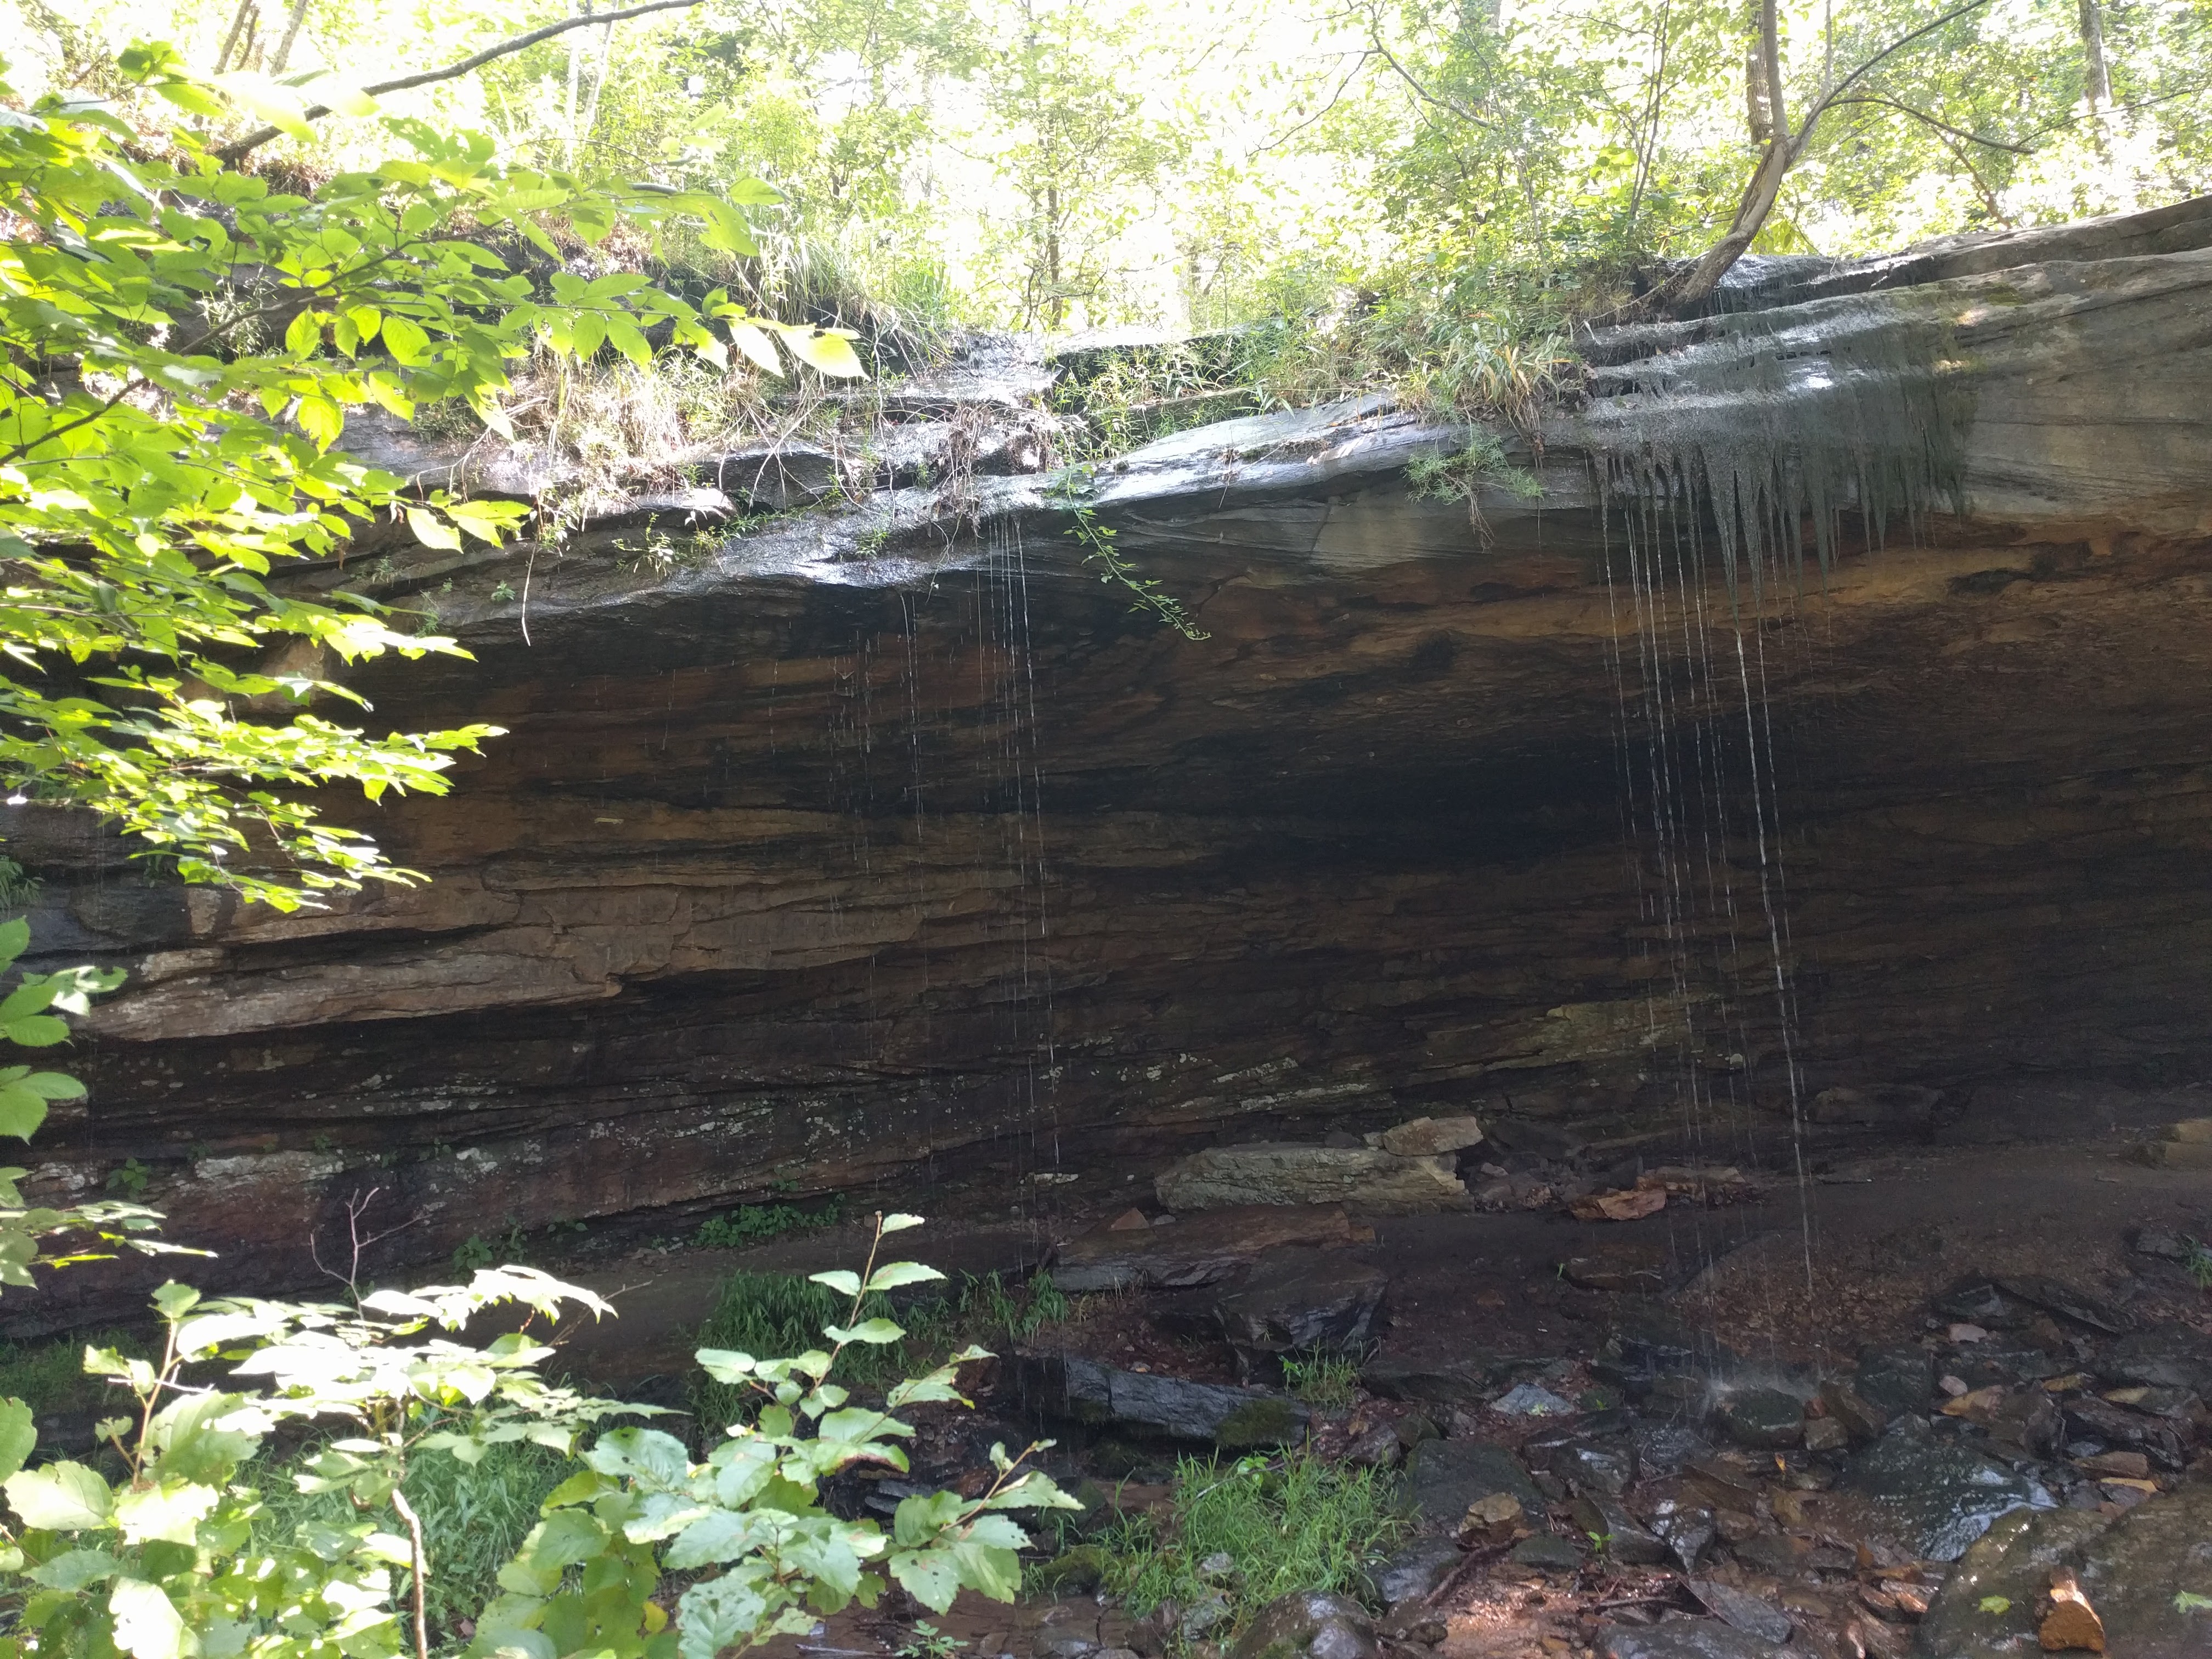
[[1301, 1524], [474, 1517]]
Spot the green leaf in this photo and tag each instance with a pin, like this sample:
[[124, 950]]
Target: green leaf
[[21, 1111], [1995, 1604], [899, 1222], [928, 1575], [170, 1511], [14, 934], [73, 1569], [18, 1434], [405, 340], [894, 1274], [845, 1283], [147, 1625], [830, 352], [432, 531], [880, 1332], [59, 1497]]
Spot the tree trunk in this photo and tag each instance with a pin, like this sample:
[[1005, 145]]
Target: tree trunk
[[300, 14], [2096, 80]]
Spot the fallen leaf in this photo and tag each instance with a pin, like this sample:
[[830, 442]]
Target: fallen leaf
[[2072, 1624]]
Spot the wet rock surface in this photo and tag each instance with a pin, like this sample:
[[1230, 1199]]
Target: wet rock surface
[[1364, 1179], [1934, 1497]]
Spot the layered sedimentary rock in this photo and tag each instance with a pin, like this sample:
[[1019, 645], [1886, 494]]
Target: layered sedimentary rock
[[889, 837]]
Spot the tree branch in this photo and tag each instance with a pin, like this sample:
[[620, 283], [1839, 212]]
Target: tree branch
[[1923, 116], [1821, 104], [239, 149]]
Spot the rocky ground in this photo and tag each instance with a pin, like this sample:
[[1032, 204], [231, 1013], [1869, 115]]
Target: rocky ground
[[1940, 1402]]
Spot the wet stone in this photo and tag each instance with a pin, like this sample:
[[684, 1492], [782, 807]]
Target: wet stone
[[1532, 1400], [1459, 1384], [2128, 1568], [1894, 1380], [1746, 1613], [1682, 1639], [1687, 1529], [1297, 1299], [1306, 1623], [1979, 1301], [1416, 1570], [1934, 1497], [1762, 1419], [1445, 1477], [2165, 1356], [2067, 1301], [1547, 1553], [2120, 1429], [1605, 1467], [1825, 1434], [1618, 1536], [1663, 1448]]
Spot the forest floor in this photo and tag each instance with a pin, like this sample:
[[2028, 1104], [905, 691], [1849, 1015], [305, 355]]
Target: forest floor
[[1792, 1284]]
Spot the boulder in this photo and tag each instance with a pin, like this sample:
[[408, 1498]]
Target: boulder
[[1204, 1249], [1417, 1570], [1682, 1639], [2131, 1571], [1299, 1298], [1931, 1497], [1363, 1178], [1431, 1137], [1454, 1382], [1088, 1392], [1446, 1478], [1308, 1625], [2162, 1357], [1764, 1420]]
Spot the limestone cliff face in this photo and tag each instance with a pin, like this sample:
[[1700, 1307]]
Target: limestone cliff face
[[889, 838]]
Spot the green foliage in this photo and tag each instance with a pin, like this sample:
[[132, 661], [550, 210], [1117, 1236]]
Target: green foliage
[[475, 1516], [1322, 1379], [1295, 1524], [2198, 1265], [1097, 541], [755, 1224], [180, 347], [780, 1313], [49, 1376], [770, 1561]]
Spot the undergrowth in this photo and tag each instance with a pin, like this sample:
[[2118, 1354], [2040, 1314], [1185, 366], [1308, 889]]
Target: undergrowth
[[474, 1517], [50, 1376], [1322, 1379], [755, 1224], [1298, 1524], [784, 1314]]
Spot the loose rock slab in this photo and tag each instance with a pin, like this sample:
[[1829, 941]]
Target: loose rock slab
[[1935, 1497], [1363, 1178], [1088, 1392], [1202, 1250], [1304, 1298]]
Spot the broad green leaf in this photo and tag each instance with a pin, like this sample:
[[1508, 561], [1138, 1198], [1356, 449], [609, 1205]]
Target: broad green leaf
[[405, 339], [899, 1222], [73, 1569], [828, 352], [754, 343], [896, 1274], [840, 1280], [170, 1511], [59, 1497], [346, 100], [21, 1111], [147, 1625], [990, 1572], [18, 1434], [928, 1575], [880, 1332], [432, 531]]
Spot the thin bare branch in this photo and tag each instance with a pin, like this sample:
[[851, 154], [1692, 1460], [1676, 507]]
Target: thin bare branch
[[238, 149], [1925, 119]]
